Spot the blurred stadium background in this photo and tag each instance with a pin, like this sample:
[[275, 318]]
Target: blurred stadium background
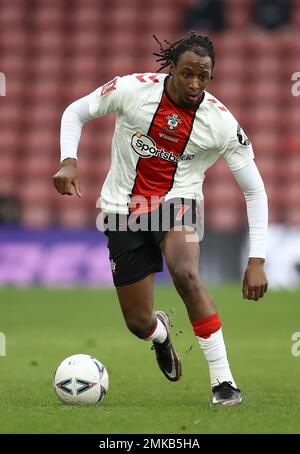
[[54, 52]]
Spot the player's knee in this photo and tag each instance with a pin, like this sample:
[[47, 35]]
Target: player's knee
[[139, 325], [186, 277]]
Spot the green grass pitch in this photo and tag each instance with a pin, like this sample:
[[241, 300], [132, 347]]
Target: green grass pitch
[[42, 327]]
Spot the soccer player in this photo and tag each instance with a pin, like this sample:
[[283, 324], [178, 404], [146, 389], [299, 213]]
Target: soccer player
[[168, 131]]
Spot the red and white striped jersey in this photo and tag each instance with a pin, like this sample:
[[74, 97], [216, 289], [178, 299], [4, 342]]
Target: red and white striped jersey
[[159, 148]]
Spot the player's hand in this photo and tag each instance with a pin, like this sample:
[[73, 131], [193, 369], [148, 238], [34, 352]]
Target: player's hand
[[255, 282], [67, 177]]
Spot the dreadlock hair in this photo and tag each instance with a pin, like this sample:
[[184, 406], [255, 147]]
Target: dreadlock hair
[[191, 41]]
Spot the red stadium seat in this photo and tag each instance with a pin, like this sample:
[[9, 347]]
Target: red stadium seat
[[122, 43], [36, 216], [290, 167], [12, 15], [239, 17], [38, 165], [231, 68], [12, 63], [49, 66], [85, 17], [123, 18], [10, 114], [265, 67], [15, 86], [292, 216], [222, 193], [79, 87], [8, 186], [231, 43], [146, 64], [10, 140], [276, 195], [290, 143], [7, 166], [120, 66], [264, 117], [269, 168], [291, 193], [84, 66], [74, 217], [266, 142], [36, 192], [49, 16], [90, 190], [181, 4], [42, 140], [89, 167], [296, 16], [219, 171], [225, 219], [227, 91], [14, 41], [162, 19], [48, 41], [45, 114], [292, 117], [87, 42], [45, 89], [262, 44], [265, 92]]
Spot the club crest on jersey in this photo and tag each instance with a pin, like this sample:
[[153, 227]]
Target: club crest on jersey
[[173, 122], [113, 266]]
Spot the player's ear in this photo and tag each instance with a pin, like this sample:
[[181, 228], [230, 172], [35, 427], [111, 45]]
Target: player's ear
[[172, 68]]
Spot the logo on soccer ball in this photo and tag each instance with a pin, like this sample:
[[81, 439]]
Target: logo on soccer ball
[[173, 122], [81, 379]]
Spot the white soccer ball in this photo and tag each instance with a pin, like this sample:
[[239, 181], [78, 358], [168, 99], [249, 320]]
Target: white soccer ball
[[81, 379]]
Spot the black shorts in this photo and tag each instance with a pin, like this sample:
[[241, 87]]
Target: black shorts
[[134, 250]]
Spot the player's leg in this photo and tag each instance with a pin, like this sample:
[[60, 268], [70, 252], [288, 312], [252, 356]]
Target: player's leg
[[183, 263], [136, 301], [137, 306], [182, 258], [135, 257]]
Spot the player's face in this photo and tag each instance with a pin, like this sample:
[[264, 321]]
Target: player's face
[[189, 77]]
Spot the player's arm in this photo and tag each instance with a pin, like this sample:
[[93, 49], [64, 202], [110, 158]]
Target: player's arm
[[237, 150], [72, 122], [102, 101], [255, 283], [66, 177]]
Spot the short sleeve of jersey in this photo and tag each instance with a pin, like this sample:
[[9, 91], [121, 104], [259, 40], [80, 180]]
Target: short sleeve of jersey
[[235, 147], [109, 97]]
